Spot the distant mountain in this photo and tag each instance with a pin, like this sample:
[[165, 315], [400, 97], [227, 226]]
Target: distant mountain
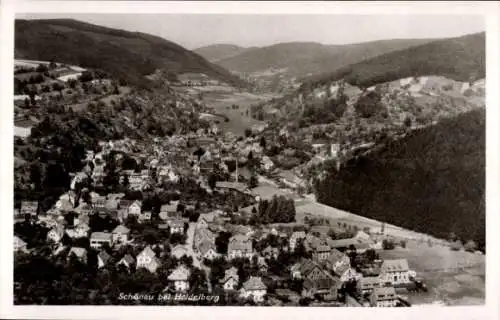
[[126, 55], [305, 58], [215, 52], [432, 181], [457, 58]]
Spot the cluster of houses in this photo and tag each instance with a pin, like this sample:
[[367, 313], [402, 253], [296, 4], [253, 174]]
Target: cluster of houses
[[324, 274]]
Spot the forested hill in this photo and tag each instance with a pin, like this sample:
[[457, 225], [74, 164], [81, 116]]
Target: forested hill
[[217, 52], [300, 59], [456, 58], [432, 181], [126, 55]]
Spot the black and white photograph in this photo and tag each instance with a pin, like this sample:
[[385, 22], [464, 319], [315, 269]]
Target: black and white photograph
[[248, 159]]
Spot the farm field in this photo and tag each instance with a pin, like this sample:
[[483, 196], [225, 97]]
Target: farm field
[[221, 102], [454, 277]]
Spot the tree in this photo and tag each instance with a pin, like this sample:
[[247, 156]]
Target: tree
[[254, 182], [403, 243], [212, 180], [248, 132], [387, 244], [407, 122], [263, 142]]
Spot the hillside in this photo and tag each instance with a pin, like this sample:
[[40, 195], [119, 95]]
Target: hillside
[[303, 58], [126, 55], [215, 52], [456, 58], [431, 181]]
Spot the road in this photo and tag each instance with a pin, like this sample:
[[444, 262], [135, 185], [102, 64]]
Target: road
[[190, 249]]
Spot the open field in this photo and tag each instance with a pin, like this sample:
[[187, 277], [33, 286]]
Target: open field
[[222, 101], [455, 277]]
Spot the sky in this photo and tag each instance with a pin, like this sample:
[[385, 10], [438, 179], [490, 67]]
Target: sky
[[195, 30]]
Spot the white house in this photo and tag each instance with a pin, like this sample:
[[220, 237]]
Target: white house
[[295, 237], [395, 272], [239, 246], [97, 239], [19, 244], [56, 234], [127, 261], [383, 297], [120, 234], [102, 259], [207, 250], [135, 208], [231, 279], [180, 277], [147, 259], [254, 288]]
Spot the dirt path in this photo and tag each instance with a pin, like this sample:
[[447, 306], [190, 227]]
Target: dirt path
[[190, 247]]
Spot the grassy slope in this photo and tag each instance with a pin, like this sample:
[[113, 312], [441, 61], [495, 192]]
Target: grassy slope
[[456, 58], [307, 57], [129, 55], [431, 181]]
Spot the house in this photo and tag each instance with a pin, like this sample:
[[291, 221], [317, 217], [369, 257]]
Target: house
[[363, 236], [19, 244], [254, 288], [127, 261], [179, 251], [204, 220], [79, 253], [395, 272], [337, 261], [327, 288], [266, 163], [120, 235], [102, 259], [346, 273], [239, 246], [295, 237], [145, 216], [383, 297], [366, 285], [112, 204], [270, 252], [262, 264], [231, 186], [29, 207], [64, 205], [203, 235], [180, 277], [345, 244], [56, 234], [168, 210], [82, 228], [308, 269], [84, 209], [97, 239], [176, 225], [99, 202], [147, 259], [231, 279], [135, 208], [290, 179], [18, 217], [321, 252], [207, 250]]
